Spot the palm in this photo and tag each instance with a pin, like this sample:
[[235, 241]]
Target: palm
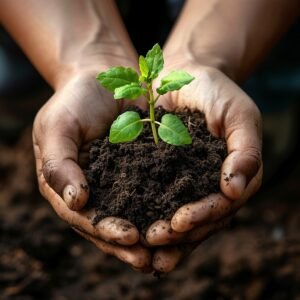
[[230, 114], [82, 110]]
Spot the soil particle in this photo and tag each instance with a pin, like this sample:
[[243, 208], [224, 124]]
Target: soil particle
[[42, 258], [228, 177], [144, 182], [84, 186]]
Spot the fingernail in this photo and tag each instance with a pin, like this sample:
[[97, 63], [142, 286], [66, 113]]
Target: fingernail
[[238, 183], [69, 195]]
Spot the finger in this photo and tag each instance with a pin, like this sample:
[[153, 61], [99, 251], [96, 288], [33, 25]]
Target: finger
[[166, 259], [206, 210], [201, 233], [212, 208], [161, 233], [243, 137], [232, 114], [163, 236], [110, 229], [58, 146], [118, 230], [136, 256]]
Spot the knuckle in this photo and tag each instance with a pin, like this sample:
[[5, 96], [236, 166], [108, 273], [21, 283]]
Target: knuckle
[[254, 153], [49, 169], [254, 156]]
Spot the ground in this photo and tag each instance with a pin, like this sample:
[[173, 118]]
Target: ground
[[258, 257]]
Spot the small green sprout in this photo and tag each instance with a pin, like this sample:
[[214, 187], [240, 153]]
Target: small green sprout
[[126, 83]]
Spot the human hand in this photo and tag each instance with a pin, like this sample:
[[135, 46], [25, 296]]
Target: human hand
[[78, 113], [231, 114]]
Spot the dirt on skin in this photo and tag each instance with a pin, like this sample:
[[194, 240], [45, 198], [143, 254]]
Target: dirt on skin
[[143, 182], [257, 258]]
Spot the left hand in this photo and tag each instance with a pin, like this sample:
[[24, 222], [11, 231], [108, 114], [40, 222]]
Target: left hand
[[230, 114], [79, 112]]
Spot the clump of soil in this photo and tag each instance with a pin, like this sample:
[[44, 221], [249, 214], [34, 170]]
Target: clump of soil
[[42, 258], [143, 182]]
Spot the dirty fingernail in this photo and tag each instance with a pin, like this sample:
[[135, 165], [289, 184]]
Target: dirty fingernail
[[69, 195]]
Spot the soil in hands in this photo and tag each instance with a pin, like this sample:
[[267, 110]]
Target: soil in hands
[[143, 182]]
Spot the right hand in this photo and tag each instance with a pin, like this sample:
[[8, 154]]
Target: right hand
[[64, 128], [230, 114]]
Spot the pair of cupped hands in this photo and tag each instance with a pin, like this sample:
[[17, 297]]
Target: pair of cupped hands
[[81, 110]]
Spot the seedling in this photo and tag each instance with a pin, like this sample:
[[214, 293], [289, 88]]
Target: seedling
[[126, 83]]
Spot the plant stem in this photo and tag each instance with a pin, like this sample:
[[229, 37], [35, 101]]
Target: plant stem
[[146, 120], [156, 99], [152, 115]]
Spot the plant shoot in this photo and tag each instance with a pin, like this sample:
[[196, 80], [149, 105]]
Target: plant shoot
[[127, 83]]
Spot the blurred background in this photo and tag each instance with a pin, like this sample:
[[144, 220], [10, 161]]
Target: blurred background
[[257, 258]]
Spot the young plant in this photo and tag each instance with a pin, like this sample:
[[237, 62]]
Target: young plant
[[126, 83]]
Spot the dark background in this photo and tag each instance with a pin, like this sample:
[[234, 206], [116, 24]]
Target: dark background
[[258, 257]]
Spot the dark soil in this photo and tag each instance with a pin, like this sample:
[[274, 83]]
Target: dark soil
[[143, 182], [258, 258]]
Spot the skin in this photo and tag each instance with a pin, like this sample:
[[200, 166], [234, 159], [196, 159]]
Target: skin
[[199, 45], [213, 93], [69, 50], [71, 41]]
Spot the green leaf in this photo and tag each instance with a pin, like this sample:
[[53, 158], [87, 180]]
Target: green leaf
[[129, 91], [144, 69], [155, 62], [174, 81], [116, 77], [127, 127], [173, 131]]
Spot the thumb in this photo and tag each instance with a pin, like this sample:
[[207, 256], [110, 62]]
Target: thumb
[[243, 162], [59, 165]]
